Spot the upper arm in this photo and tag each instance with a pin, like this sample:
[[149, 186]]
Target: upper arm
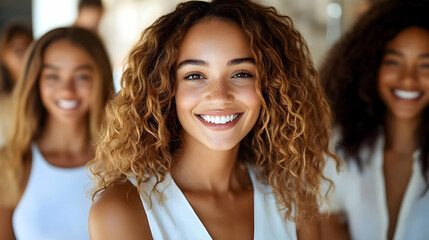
[[119, 214], [334, 227], [6, 228]]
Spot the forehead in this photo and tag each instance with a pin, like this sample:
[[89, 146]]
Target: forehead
[[66, 54], [214, 36], [410, 38]]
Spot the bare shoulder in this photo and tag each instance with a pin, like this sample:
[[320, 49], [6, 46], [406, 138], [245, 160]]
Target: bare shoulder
[[118, 213], [309, 230]]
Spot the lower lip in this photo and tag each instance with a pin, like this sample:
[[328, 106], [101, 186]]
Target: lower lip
[[220, 127]]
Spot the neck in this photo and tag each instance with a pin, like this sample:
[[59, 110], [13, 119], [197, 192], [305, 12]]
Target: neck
[[401, 135], [198, 168], [64, 137]]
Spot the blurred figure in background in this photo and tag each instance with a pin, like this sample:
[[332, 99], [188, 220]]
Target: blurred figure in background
[[59, 105], [89, 14], [14, 41], [377, 77]]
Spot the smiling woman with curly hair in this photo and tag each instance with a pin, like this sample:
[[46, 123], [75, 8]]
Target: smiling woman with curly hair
[[377, 77], [220, 131]]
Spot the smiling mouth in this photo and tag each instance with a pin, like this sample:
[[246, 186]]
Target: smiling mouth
[[407, 95], [67, 104], [219, 119]]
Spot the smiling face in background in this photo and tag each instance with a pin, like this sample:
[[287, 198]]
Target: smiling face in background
[[403, 77], [216, 99], [67, 81]]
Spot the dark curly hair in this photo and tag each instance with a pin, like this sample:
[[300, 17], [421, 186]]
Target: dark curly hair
[[290, 140], [349, 74]]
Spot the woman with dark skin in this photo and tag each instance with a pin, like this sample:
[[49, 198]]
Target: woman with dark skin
[[219, 131], [377, 78]]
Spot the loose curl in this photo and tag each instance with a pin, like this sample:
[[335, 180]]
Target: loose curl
[[350, 72], [290, 140]]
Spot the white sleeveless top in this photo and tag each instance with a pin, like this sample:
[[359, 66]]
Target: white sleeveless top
[[54, 204], [172, 217]]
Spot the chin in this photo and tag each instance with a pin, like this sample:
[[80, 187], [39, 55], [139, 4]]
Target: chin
[[221, 147]]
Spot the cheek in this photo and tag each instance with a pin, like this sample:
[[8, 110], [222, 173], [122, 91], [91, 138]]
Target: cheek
[[250, 97], [384, 80], [186, 98], [45, 90], [86, 90]]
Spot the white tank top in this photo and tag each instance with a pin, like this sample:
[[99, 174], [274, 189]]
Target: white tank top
[[54, 204], [172, 217]]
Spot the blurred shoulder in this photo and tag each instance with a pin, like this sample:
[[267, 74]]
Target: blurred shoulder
[[118, 213]]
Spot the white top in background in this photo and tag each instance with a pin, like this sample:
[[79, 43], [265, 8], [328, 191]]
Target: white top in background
[[361, 196], [54, 205]]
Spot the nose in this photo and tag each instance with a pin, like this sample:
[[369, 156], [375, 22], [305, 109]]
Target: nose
[[67, 87], [409, 77], [219, 92]]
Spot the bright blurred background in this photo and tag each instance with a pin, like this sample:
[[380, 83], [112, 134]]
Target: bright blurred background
[[320, 21]]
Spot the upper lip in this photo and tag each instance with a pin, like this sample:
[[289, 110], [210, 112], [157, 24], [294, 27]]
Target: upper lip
[[219, 112]]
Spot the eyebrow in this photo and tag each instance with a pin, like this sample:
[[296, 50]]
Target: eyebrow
[[424, 55], [241, 60], [81, 67], [199, 62], [394, 52]]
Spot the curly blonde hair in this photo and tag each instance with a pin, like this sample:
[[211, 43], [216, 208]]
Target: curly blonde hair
[[290, 140]]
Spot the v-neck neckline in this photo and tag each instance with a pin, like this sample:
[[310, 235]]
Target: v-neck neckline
[[408, 194], [196, 221]]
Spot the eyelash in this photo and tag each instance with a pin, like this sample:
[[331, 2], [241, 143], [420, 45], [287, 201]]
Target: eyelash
[[199, 76], [425, 65], [51, 77], [247, 75], [83, 77], [391, 62], [189, 76]]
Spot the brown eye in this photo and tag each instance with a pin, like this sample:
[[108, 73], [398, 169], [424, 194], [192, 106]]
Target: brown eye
[[242, 75], [194, 76], [52, 77]]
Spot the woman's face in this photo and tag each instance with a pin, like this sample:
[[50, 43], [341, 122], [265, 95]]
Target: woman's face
[[403, 77], [13, 54], [216, 99], [67, 81]]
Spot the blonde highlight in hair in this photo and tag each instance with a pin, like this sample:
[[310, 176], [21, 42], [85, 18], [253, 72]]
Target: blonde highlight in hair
[[30, 114], [289, 141]]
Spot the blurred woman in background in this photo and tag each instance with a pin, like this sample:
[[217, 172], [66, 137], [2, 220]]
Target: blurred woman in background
[[377, 77], [59, 105], [14, 40]]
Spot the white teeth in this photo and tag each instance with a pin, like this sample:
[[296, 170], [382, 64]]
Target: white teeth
[[219, 119], [409, 95], [65, 104]]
